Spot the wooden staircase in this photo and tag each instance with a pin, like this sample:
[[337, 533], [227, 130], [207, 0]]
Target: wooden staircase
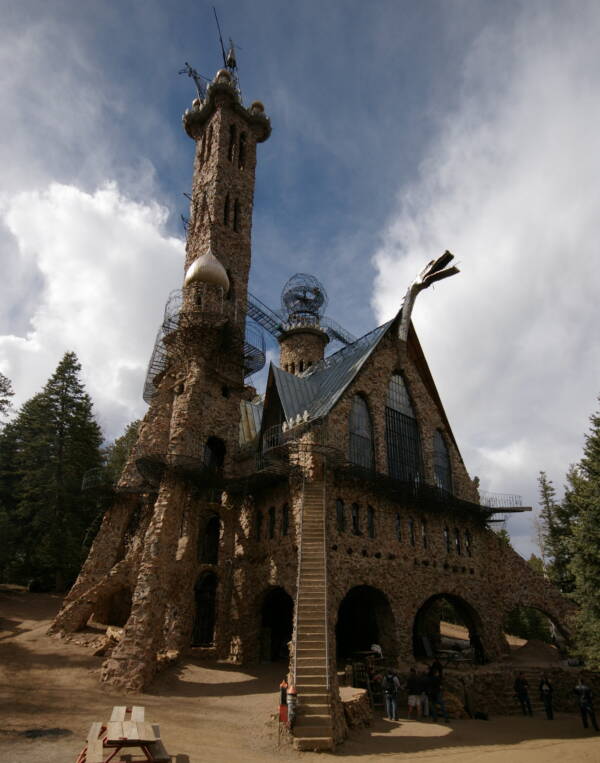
[[313, 729]]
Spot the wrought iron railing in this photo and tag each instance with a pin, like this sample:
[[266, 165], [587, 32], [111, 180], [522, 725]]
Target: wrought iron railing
[[500, 501]]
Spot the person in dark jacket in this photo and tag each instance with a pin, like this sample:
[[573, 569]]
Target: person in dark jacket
[[390, 686], [586, 703], [436, 697], [546, 696], [522, 694], [413, 691]]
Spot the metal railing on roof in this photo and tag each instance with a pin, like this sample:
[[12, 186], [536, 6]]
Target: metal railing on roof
[[500, 500]]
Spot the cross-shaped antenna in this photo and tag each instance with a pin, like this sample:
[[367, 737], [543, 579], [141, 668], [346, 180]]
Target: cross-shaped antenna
[[191, 72]]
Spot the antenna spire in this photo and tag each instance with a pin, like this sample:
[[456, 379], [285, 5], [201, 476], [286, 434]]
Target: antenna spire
[[191, 72]]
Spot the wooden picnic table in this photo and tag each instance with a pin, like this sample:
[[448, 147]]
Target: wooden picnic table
[[126, 729]]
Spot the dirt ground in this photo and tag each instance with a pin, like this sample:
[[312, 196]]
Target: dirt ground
[[50, 694]]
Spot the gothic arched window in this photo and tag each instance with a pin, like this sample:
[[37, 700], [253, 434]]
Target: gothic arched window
[[242, 151], [424, 539], [371, 521], [447, 541], [356, 519], [232, 142], [457, 543], [411, 531], [402, 433], [360, 448], [398, 526], [441, 463], [226, 211], [468, 543]]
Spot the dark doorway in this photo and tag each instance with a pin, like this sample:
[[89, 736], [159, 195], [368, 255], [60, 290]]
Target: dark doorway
[[364, 618], [208, 542], [447, 622], [277, 619], [214, 454], [204, 623], [115, 609]]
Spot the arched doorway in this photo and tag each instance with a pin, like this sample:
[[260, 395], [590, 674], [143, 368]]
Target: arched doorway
[[277, 622], [208, 541], [446, 621], [365, 617], [524, 625], [205, 591]]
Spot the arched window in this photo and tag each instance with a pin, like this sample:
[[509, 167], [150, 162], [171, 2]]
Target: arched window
[[242, 151], [371, 521], [203, 148], [411, 531], [360, 447], [468, 543], [356, 519], [272, 522], [441, 463], [236, 216], [301, 368], [398, 527], [214, 454], [258, 524], [457, 543], [424, 533], [209, 142], [340, 517], [232, 141], [402, 433], [285, 519], [226, 211], [447, 541]]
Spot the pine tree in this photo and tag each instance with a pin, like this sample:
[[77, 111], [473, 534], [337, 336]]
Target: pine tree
[[56, 440], [6, 392], [555, 532], [117, 453], [585, 564]]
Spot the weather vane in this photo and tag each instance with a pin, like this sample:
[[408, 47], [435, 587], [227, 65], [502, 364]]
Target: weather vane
[[229, 59]]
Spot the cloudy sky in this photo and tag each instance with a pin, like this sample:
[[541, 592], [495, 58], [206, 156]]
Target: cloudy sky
[[400, 129]]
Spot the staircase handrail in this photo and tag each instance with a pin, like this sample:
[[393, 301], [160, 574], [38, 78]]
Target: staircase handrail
[[297, 607], [326, 581]]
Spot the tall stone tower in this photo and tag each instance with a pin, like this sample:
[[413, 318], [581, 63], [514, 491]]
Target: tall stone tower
[[146, 549]]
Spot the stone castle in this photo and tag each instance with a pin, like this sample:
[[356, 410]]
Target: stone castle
[[331, 513]]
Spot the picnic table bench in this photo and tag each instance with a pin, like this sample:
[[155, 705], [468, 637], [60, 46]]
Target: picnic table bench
[[126, 729]]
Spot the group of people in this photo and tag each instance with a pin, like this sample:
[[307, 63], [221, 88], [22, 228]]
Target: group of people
[[425, 694], [582, 690]]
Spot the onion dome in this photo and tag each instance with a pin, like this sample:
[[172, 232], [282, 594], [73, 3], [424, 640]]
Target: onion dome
[[207, 269]]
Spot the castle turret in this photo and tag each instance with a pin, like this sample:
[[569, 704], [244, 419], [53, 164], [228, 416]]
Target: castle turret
[[303, 340]]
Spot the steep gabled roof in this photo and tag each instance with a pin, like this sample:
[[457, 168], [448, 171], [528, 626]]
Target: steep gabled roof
[[317, 390]]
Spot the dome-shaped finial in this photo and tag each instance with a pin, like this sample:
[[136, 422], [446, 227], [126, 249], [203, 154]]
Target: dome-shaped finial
[[207, 269]]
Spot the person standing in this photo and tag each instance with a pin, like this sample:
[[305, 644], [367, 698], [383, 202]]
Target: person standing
[[436, 697], [391, 685], [422, 688], [586, 703], [412, 688], [522, 693], [546, 696]]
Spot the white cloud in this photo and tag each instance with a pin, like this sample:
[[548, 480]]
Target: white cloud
[[511, 187], [105, 266]]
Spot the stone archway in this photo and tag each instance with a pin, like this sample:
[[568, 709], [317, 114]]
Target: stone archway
[[365, 617], [205, 591], [529, 622], [277, 622], [447, 607]]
